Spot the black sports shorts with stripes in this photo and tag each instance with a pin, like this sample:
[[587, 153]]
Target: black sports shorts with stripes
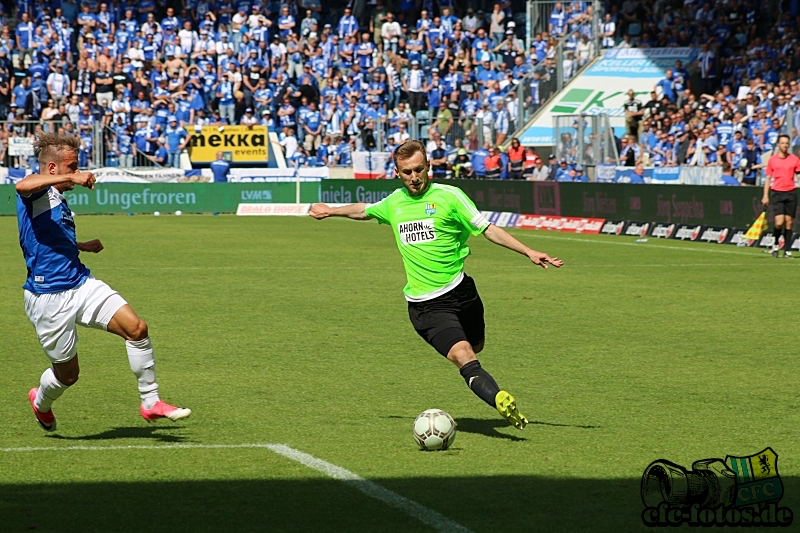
[[450, 318]]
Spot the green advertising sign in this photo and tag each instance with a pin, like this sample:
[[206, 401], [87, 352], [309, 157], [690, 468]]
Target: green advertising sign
[[110, 198], [708, 205]]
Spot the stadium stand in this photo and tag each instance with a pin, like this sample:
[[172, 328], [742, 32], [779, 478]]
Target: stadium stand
[[728, 107], [133, 80]]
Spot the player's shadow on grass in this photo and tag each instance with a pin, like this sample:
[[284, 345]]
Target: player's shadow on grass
[[553, 424], [156, 434], [485, 427], [490, 427]]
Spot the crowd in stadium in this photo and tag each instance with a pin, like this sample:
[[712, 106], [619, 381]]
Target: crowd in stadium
[[325, 78], [730, 111]]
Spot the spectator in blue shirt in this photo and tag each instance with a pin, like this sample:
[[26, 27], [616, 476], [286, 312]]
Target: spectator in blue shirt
[[177, 137], [24, 38], [344, 153], [667, 86], [220, 168], [286, 22], [727, 176], [637, 176], [478, 160], [161, 156], [558, 20], [21, 93], [348, 25]]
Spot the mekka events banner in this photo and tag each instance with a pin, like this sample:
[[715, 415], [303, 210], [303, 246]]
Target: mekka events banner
[[603, 88]]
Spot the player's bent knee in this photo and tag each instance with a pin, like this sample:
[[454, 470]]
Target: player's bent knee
[[461, 353], [68, 380], [67, 373], [139, 332]]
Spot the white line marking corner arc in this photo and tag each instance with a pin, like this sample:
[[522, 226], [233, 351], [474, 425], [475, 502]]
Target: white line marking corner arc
[[373, 490]]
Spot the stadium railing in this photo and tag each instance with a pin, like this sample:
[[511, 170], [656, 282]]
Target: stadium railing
[[550, 88], [17, 136]]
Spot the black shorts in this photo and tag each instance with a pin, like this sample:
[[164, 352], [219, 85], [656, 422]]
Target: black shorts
[[783, 203], [450, 318]]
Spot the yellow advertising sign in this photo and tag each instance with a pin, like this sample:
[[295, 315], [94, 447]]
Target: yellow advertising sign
[[239, 144]]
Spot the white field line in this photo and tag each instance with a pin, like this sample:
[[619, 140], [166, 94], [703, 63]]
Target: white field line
[[505, 267], [709, 249], [130, 447], [373, 490], [420, 512]]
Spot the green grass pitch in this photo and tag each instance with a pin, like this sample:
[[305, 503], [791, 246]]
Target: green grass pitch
[[295, 331]]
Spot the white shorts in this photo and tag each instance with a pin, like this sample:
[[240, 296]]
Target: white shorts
[[55, 315]]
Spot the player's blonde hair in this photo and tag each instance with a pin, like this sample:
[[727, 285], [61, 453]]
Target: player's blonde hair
[[48, 147], [408, 149]]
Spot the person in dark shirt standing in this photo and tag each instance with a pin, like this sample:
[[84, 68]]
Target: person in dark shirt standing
[[104, 83], [439, 161], [633, 114]]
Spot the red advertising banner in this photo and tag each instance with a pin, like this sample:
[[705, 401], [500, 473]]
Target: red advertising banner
[[555, 223]]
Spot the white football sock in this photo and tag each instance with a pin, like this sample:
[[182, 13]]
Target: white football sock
[[140, 356], [50, 390]]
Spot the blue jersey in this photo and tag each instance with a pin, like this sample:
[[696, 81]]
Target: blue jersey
[[725, 132], [48, 241], [124, 142], [220, 168]]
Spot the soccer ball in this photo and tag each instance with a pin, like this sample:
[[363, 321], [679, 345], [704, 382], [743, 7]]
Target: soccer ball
[[434, 429]]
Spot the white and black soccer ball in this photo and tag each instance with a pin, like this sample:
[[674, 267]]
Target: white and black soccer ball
[[434, 429]]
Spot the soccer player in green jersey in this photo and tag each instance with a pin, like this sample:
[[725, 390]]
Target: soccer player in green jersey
[[431, 223]]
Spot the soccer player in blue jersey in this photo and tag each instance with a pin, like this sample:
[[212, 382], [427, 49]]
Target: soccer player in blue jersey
[[60, 292]]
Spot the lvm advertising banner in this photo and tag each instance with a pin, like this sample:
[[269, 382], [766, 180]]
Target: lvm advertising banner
[[603, 89]]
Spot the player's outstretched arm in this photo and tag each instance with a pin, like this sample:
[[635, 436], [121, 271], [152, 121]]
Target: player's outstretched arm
[[36, 182], [503, 238], [93, 246], [354, 211]]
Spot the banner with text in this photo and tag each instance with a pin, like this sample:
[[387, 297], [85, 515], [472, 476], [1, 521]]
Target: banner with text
[[110, 198], [661, 175], [238, 144], [733, 207]]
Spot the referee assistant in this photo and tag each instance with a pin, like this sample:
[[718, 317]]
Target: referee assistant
[[780, 194]]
